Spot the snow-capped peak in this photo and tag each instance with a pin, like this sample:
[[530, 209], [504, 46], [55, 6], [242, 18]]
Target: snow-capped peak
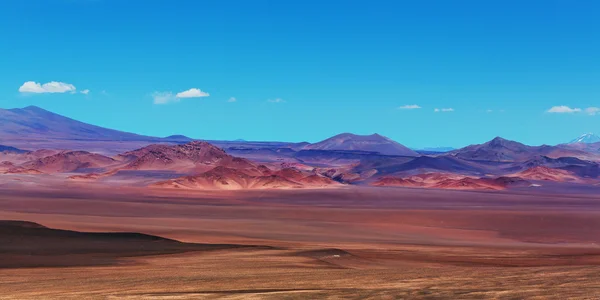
[[587, 138]]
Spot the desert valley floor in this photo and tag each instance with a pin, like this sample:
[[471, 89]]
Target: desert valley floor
[[345, 243]]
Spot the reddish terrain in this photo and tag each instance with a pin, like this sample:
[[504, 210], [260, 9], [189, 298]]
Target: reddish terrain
[[69, 161], [451, 181], [549, 174], [259, 178], [192, 156], [201, 165], [371, 243]]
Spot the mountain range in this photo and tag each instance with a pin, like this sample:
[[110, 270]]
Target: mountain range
[[37, 142], [32, 127]]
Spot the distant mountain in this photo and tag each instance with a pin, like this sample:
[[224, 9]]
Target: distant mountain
[[421, 164], [498, 149], [34, 122], [436, 149], [11, 149], [503, 150], [588, 138], [369, 143], [33, 128], [178, 138], [184, 157]]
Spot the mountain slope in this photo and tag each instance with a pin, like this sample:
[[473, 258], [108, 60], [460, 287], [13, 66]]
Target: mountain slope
[[34, 122], [11, 149], [370, 143], [588, 138], [498, 149]]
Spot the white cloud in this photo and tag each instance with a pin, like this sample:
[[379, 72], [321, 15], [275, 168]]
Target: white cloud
[[563, 109], [592, 111], [169, 97], [164, 97], [50, 87], [276, 100], [85, 92], [232, 99], [192, 93], [443, 110], [410, 106]]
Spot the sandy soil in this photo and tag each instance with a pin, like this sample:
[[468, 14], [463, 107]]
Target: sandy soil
[[356, 243]]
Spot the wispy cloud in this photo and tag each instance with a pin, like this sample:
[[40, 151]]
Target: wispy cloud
[[232, 99], [85, 92], [592, 110], [443, 109], [276, 100], [563, 109], [410, 106], [489, 110], [164, 97], [169, 97], [33, 87]]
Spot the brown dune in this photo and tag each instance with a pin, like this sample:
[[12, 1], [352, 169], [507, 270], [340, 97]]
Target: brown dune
[[69, 161], [549, 174]]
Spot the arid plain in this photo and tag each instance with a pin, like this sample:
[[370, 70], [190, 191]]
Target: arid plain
[[356, 242]]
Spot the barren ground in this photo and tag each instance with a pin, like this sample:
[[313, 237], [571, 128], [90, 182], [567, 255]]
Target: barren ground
[[357, 243]]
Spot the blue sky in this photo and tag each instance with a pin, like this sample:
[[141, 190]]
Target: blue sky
[[306, 70]]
